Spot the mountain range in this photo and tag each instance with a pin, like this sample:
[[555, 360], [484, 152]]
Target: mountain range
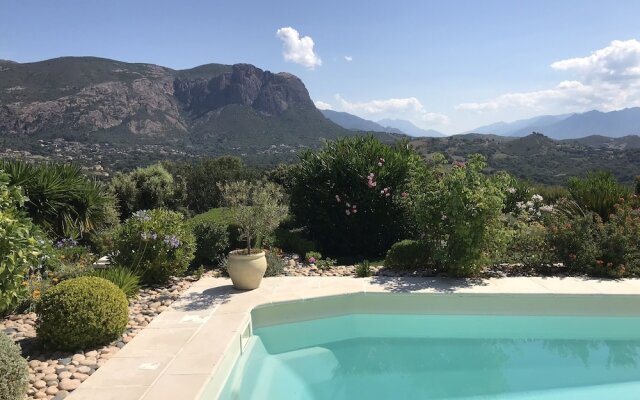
[[397, 126], [214, 108], [570, 126]]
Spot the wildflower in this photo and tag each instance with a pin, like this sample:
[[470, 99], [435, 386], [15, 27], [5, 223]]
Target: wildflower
[[312, 260], [36, 294], [512, 190], [371, 180], [347, 204], [347, 212], [172, 241], [143, 215], [599, 263], [380, 162], [338, 198], [404, 194]]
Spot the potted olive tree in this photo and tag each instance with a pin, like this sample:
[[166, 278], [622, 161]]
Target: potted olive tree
[[258, 209]]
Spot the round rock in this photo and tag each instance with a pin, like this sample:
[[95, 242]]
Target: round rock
[[69, 384]]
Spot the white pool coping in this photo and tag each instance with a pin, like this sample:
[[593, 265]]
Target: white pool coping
[[188, 350]]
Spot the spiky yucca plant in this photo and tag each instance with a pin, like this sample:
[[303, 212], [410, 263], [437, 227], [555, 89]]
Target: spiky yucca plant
[[61, 199]]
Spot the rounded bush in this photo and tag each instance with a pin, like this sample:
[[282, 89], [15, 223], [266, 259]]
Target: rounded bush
[[81, 313], [13, 370], [212, 241], [407, 254], [156, 244]]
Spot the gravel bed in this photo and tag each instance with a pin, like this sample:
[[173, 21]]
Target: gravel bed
[[53, 375]]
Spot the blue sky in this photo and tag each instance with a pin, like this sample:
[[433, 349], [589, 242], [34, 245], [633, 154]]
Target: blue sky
[[446, 65]]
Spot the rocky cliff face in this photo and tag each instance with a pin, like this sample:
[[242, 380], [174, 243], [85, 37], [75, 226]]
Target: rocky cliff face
[[81, 96], [245, 85]]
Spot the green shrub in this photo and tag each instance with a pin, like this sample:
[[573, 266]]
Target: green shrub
[[363, 269], [529, 245], [204, 177], [212, 241], [13, 370], [156, 244], [518, 191], [312, 257], [408, 254], [598, 192], [275, 264], [293, 240], [258, 209], [326, 263], [282, 174], [61, 199], [459, 212], [608, 249], [144, 189], [221, 216], [620, 245], [127, 280], [550, 194], [575, 240], [22, 249], [81, 313], [348, 195]]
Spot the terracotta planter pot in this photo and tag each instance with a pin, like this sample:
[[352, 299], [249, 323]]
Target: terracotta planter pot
[[246, 270]]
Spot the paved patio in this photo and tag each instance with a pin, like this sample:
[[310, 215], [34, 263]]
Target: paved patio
[[188, 350]]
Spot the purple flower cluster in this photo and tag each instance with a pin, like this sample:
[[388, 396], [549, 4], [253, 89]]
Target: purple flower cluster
[[66, 242], [143, 215], [172, 241], [150, 235]]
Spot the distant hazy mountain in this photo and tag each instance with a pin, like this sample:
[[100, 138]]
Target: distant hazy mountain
[[521, 127], [353, 122], [570, 126], [409, 128]]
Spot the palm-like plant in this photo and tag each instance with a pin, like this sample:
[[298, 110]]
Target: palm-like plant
[[62, 200]]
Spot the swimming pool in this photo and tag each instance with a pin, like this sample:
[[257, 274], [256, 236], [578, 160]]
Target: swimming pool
[[442, 347]]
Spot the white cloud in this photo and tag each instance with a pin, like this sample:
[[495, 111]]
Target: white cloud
[[618, 61], [405, 108], [348, 58], [321, 105], [298, 49], [608, 79]]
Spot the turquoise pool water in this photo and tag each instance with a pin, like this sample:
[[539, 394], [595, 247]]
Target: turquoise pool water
[[390, 356]]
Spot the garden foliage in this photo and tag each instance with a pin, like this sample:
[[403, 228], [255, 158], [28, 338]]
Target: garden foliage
[[459, 212], [204, 178], [125, 279], [14, 371], [22, 248], [598, 192], [156, 244], [144, 189], [81, 313], [212, 241], [348, 195], [408, 254], [258, 209], [61, 199]]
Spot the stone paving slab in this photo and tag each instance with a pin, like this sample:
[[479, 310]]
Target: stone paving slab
[[192, 346]]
